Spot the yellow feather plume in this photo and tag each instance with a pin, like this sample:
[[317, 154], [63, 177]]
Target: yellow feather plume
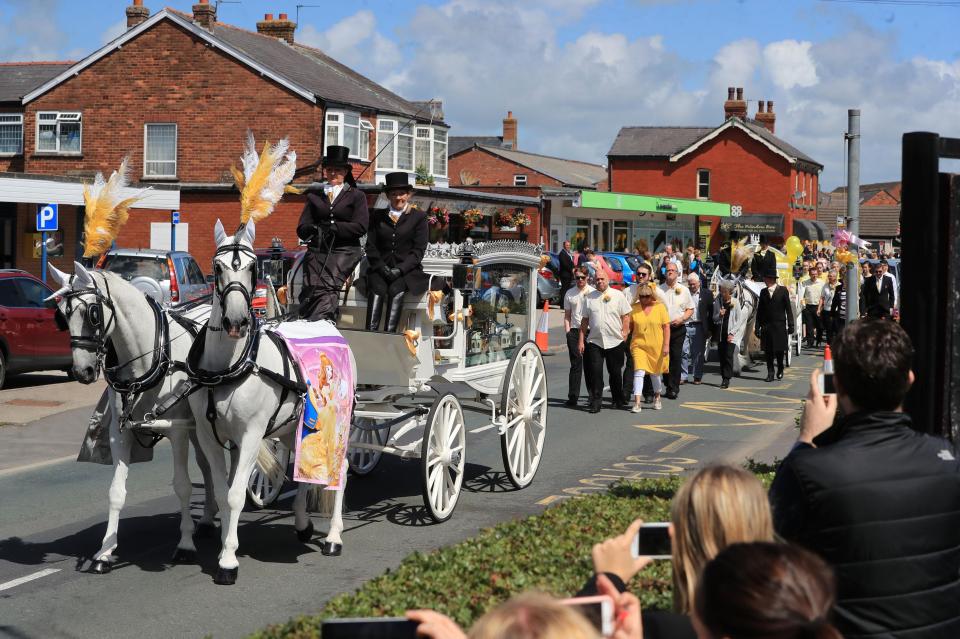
[[264, 179], [740, 254], [105, 212]]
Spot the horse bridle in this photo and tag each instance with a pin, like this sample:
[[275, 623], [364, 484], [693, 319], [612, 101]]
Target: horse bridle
[[222, 291], [92, 314]]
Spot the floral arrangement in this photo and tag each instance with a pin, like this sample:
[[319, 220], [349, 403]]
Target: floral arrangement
[[512, 218], [606, 298], [521, 219], [438, 216], [504, 218], [471, 217], [677, 291]]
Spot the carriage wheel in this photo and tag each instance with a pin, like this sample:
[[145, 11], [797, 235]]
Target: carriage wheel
[[523, 403], [262, 487], [362, 461], [442, 459]]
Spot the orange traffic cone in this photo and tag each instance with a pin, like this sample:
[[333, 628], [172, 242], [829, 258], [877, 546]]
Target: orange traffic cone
[[543, 328]]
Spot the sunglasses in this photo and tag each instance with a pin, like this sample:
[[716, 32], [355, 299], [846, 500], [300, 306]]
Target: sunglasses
[[643, 275], [581, 277]]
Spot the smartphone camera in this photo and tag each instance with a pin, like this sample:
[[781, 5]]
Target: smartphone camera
[[653, 541], [598, 611]]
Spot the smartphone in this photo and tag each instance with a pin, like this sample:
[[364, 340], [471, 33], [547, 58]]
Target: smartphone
[[653, 541], [369, 628], [598, 610], [826, 384]]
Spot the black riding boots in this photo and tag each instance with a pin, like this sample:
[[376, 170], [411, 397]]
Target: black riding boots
[[394, 310], [374, 311]]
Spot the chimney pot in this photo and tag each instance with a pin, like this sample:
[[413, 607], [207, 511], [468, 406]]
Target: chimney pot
[[283, 16], [267, 17], [730, 91], [138, 3], [769, 106], [760, 107], [739, 93], [282, 29]]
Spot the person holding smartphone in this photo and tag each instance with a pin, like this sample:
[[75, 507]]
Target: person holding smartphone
[[871, 493]]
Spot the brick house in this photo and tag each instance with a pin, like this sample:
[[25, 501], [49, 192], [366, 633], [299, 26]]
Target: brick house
[[496, 164], [741, 162], [879, 213], [875, 194], [176, 93]]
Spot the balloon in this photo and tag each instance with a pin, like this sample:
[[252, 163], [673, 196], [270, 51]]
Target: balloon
[[794, 248]]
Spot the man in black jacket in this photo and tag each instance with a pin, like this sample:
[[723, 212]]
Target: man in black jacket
[[877, 499], [763, 260], [567, 263], [774, 322], [878, 298]]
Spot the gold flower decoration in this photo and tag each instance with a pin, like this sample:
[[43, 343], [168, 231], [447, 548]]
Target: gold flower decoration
[[606, 298], [677, 291]]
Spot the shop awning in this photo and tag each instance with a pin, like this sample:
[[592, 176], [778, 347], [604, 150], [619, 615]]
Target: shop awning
[[766, 224], [45, 189], [810, 230], [650, 204]]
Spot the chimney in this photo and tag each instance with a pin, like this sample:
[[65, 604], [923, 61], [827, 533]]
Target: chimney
[[510, 131], [136, 13], [767, 118], [205, 14], [735, 106], [282, 28]]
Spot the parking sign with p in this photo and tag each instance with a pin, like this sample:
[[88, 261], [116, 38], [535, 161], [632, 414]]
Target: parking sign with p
[[46, 217]]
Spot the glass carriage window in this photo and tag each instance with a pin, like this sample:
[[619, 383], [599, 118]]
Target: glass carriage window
[[499, 314], [11, 133]]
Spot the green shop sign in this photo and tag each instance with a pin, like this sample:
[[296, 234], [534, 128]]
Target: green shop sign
[[651, 204]]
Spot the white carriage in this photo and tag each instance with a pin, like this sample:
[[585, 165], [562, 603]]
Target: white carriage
[[466, 345]]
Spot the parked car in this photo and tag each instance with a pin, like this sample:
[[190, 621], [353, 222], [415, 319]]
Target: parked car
[[628, 265], [273, 263], [150, 271], [29, 338]]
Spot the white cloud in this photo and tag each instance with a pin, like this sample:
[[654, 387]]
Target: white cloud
[[27, 33], [788, 64], [114, 31], [354, 41]]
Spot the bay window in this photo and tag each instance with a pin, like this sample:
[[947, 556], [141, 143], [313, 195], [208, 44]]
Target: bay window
[[59, 132], [345, 128], [413, 146]]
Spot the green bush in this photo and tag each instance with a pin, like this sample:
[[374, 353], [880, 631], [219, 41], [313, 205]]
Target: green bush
[[549, 552]]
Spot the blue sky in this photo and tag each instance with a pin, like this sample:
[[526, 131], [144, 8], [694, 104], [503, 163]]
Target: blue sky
[[575, 71]]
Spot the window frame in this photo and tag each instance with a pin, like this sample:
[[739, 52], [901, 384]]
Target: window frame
[[702, 184], [176, 142], [19, 150], [363, 127], [520, 179], [56, 136], [388, 140]]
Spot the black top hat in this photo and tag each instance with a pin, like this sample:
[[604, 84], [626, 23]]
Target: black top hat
[[770, 271], [397, 180], [336, 156], [763, 238]]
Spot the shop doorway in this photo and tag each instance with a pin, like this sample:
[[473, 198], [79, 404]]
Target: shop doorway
[[8, 235], [602, 237]]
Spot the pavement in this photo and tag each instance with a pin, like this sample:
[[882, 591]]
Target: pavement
[[53, 510]]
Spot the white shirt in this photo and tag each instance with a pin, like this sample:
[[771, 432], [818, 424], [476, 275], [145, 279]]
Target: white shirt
[[572, 302], [331, 188], [395, 214], [605, 311], [695, 298], [812, 292], [677, 300], [896, 293]]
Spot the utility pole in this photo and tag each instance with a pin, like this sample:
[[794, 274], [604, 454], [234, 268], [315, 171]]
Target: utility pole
[[853, 209]]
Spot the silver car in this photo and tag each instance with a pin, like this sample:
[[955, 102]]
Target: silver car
[[170, 277]]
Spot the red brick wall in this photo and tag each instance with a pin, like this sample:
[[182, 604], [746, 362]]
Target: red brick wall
[[166, 75], [882, 198], [492, 170]]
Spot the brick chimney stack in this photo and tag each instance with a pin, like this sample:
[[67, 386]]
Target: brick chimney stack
[[282, 28], [767, 118], [205, 14], [136, 13], [510, 131], [735, 106]]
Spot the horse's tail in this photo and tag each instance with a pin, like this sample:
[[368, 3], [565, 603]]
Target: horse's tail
[[320, 500], [267, 461]]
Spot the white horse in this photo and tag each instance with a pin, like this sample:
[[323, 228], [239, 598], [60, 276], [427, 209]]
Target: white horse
[[243, 408], [746, 296], [109, 318]]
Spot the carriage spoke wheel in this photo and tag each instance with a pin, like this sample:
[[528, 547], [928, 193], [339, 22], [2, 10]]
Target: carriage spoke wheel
[[442, 459], [523, 403], [263, 487], [362, 461]]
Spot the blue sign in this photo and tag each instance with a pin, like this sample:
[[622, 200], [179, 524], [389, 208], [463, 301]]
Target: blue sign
[[174, 217], [47, 217]]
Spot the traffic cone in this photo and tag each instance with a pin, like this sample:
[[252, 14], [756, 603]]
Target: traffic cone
[[542, 336]]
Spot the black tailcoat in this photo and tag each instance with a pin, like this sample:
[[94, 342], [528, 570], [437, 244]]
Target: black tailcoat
[[761, 264], [399, 245], [774, 319], [877, 303]]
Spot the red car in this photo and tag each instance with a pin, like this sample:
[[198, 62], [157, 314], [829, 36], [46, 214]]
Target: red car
[[29, 338]]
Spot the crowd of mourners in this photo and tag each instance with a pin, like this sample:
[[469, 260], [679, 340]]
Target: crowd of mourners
[[858, 536], [652, 336]]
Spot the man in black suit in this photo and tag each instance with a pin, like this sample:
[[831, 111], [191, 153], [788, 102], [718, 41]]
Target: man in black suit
[[878, 294], [774, 322], [763, 260], [567, 263]]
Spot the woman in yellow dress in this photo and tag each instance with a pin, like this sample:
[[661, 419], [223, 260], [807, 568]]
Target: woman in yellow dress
[[649, 344]]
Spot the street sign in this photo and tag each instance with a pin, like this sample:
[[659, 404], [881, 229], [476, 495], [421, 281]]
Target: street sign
[[47, 217], [841, 222], [174, 217]]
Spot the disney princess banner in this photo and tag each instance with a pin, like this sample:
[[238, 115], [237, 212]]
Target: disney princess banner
[[324, 428]]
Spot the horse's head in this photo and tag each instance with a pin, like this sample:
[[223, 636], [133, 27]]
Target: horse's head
[[85, 309], [235, 278]]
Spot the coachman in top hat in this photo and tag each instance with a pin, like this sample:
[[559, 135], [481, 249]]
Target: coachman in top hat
[[334, 219]]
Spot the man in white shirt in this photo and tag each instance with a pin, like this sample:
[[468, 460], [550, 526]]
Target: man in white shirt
[[572, 318], [885, 271], [698, 327], [679, 308], [811, 309], [603, 330]]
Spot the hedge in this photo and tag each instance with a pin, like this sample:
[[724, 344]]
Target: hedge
[[549, 552]]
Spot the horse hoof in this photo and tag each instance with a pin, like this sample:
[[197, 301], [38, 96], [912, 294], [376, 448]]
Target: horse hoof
[[184, 556], [206, 531], [306, 534], [226, 576], [331, 549], [100, 567]]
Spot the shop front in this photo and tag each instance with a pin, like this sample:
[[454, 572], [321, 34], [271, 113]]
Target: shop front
[[770, 226], [624, 222]]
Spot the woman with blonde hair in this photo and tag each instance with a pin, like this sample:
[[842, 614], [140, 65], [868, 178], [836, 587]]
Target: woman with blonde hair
[[649, 343]]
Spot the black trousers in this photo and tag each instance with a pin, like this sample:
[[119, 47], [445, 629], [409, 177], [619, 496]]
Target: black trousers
[[725, 351], [671, 380], [828, 322], [378, 284], [813, 324], [594, 359], [576, 364], [769, 356]]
